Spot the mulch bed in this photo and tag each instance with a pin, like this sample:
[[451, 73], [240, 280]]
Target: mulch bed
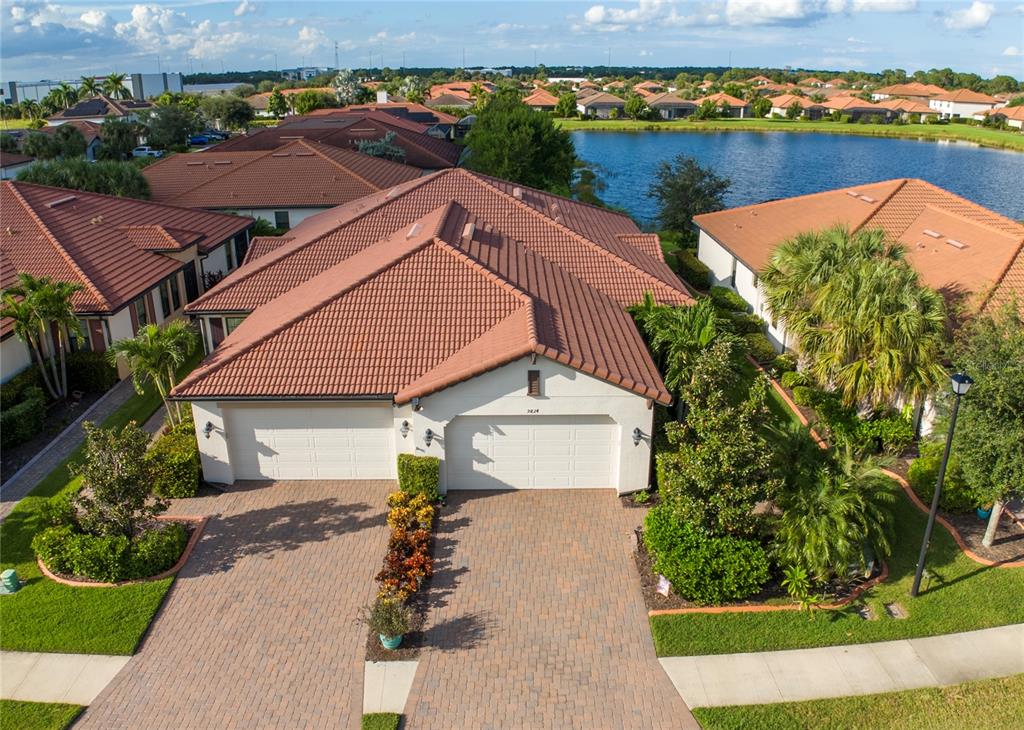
[[59, 416], [629, 501], [412, 642]]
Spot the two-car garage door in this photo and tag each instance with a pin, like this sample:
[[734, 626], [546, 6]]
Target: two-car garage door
[[530, 452], [351, 441]]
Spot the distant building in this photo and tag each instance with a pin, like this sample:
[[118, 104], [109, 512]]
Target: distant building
[[962, 103], [142, 86], [96, 109], [304, 73]]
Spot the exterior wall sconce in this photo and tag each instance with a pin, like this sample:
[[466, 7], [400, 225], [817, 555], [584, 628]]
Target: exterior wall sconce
[[428, 436], [208, 429], [416, 404], [405, 429], [638, 436]]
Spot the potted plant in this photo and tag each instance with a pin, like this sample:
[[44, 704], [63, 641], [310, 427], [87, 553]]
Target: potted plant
[[389, 619], [984, 511]]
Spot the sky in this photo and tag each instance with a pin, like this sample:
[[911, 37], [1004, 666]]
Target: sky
[[64, 40]]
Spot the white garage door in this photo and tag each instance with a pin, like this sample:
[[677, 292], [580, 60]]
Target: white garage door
[[312, 442], [530, 452]]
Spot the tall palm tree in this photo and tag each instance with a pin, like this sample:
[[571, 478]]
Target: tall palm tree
[[26, 329], [57, 310], [863, 322], [155, 354], [113, 86], [65, 95], [30, 109], [88, 87]]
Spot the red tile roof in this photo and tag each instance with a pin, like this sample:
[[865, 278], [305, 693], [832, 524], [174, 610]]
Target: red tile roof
[[89, 130], [966, 96], [408, 291], [450, 100], [850, 103], [296, 175], [541, 98], [108, 245], [957, 246], [785, 101], [722, 96], [905, 106], [914, 88]]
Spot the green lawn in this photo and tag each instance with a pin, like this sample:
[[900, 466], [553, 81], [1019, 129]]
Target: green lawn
[[14, 124], [16, 715], [381, 721], [988, 704], [49, 616], [1006, 139]]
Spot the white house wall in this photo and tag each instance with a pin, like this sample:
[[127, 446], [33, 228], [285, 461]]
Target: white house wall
[[14, 357], [713, 255]]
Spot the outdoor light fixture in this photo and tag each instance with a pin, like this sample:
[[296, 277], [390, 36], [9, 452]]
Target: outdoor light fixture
[[416, 404], [405, 429], [961, 383], [428, 436], [638, 436], [208, 429]]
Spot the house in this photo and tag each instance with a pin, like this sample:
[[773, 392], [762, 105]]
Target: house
[[90, 131], [1012, 115], [346, 129], [728, 105], [906, 108], [653, 87], [456, 315], [463, 89], [406, 110], [541, 100], [600, 105], [450, 100], [837, 83], [137, 262], [913, 90], [810, 109], [812, 81], [705, 85], [96, 109], [283, 186], [855, 108], [261, 102], [671, 106], [961, 249], [759, 81], [11, 163], [615, 85], [961, 103]]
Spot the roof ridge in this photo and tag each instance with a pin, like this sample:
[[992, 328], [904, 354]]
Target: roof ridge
[[57, 245], [971, 204], [488, 273], [326, 151], [337, 163], [780, 201], [881, 204], [227, 170], [399, 129]]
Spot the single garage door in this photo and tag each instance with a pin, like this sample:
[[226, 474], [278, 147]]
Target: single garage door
[[312, 441], [530, 452]]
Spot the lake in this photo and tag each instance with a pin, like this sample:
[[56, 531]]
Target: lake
[[765, 166]]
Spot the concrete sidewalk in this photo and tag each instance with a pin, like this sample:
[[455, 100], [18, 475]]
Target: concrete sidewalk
[[841, 671], [43, 677]]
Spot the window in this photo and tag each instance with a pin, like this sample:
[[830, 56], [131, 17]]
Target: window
[[79, 339], [241, 246], [281, 220], [732, 275], [175, 293], [230, 323], [216, 330], [141, 316], [229, 254], [165, 299], [533, 382]]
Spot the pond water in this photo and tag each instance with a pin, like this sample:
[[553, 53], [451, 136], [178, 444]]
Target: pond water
[[766, 166]]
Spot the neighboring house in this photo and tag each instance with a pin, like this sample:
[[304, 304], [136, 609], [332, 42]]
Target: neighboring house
[[913, 90], [810, 109], [733, 107], [962, 103], [138, 262], [450, 100], [283, 186], [1012, 115], [462, 89], [615, 85], [961, 249], [260, 102], [653, 87], [906, 108], [586, 93], [837, 83], [599, 105], [90, 131], [11, 163], [759, 81], [458, 316], [671, 106], [812, 81], [705, 85], [541, 100], [346, 129], [96, 109], [856, 108]]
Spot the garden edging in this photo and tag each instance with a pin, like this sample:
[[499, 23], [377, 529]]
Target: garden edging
[[198, 524]]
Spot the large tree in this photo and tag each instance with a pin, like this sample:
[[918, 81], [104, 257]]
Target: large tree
[[39, 145], [566, 106], [511, 141], [113, 86], [227, 111], [109, 177], [683, 189], [346, 87], [862, 321], [154, 356], [309, 100], [276, 104], [118, 137], [70, 141], [170, 126]]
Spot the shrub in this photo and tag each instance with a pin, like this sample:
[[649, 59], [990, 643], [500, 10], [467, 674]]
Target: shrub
[[805, 395], [59, 511], [693, 270], [90, 372], [957, 495], [12, 392], [419, 475], [784, 363], [157, 550], [387, 617], [760, 347], [20, 423], [892, 433], [727, 299], [110, 558], [747, 324], [174, 463], [794, 380]]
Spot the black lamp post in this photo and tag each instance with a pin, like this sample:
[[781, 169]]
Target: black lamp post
[[961, 384]]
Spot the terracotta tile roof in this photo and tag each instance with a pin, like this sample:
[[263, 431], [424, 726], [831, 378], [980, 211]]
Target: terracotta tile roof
[[12, 159], [905, 106], [89, 130], [966, 96], [444, 296], [106, 244], [1010, 112], [262, 245], [669, 98], [722, 96], [914, 88], [585, 93], [450, 100], [958, 247], [405, 110], [541, 97], [850, 103], [786, 100], [650, 86], [811, 80], [296, 175], [759, 80], [600, 98]]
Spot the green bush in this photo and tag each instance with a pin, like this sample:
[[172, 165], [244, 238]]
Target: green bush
[[784, 363], [957, 495], [419, 475], [747, 323], [892, 434], [727, 299], [174, 460], [692, 269], [794, 380], [110, 558], [805, 395], [157, 550], [20, 423], [760, 347], [90, 372], [12, 392], [59, 510]]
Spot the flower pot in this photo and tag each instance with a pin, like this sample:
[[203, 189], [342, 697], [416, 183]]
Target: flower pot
[[390, 642], [983, 512]]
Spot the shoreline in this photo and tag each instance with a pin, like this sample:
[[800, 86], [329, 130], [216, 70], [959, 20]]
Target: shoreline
[[960, 133]]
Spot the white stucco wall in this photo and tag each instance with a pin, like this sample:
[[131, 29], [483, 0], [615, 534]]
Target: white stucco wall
[[957, 108], [215, 260], [213, 450], [715, 257], [14, 357]]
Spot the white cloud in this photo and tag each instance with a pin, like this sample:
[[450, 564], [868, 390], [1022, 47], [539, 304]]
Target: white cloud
[[245, 7], [96, 19], [310, 39], [974, 17], [764, 12], [1013, 51], [883, 6]]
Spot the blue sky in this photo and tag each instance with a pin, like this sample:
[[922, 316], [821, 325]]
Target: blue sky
[[67, 39]]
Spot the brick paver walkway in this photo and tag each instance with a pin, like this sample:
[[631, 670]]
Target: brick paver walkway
[[260, 631], [539, 621]]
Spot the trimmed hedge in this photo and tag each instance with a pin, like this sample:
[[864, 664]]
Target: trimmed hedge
[[760, 347], [419, 475], [174, 460], [792, 380], [784, 363], [110, 558], [805, 395], [727, 299], [957, 495], [12, 392], [747, 323], [90, 372], [20, 423], [692, 269]]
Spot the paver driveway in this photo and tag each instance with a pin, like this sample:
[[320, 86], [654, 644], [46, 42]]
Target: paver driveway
[[540, 622], [258, 631]]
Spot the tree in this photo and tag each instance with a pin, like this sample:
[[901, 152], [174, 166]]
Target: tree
[[990, 428], [170, 126], [684, 189], [566, 106], [707, 110], [636, 107], [65, 95], [863, 322], [88, 87], [109, 177], [113, 86], [118, 137], [154, 356], [69, 141], [8, 143], [509, 140], [276, 104], [309, 100], [346, 87], [413, 89], [794, 110], [243, 90], [39, 145], [384, 147], [227, 112], [116, 496], [761, 106]]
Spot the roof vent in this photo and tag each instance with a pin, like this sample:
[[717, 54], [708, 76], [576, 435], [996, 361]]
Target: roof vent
[[61, 201], [281, 154], [468, 230], [867, 198], [194, 164], [853, 193], [304, 154], [96, 220], [292, 136], [517, 193], [930, 232], [414, 230], [956, 244], [222, 162]]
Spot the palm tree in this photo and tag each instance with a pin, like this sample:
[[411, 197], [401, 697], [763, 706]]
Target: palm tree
[[27, 328], [155, 354], [863, 322], [88, 87], [65, 95], [113, 86], [57, 310], [30, 109]]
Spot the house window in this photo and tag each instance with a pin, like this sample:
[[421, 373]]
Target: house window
[[165, 299], [175, 293], [141, 316], [216, 330], [231, 323], [732, 275], [229, 254], [533, 382], [281, 220], [78, 339]]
